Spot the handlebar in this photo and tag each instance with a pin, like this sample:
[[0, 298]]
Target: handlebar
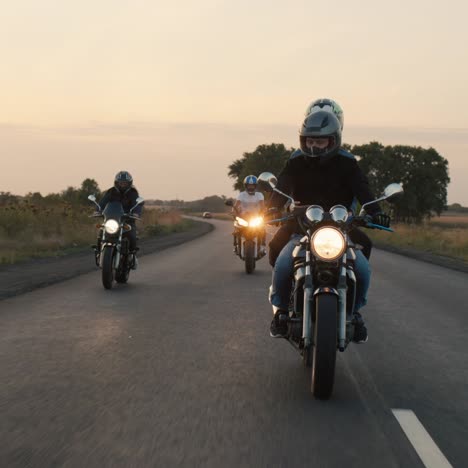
[[356, 220], [99, 214]]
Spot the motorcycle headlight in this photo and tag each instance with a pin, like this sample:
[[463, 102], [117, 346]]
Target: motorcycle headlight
[[242, 222], [111, 226], [256, 222], [328, 244]]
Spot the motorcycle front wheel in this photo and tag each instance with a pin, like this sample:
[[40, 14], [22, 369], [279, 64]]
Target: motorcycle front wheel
[[107, 267], [249, 252], [324, 345]]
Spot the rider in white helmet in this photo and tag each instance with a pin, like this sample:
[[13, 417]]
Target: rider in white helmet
[[252, 202]]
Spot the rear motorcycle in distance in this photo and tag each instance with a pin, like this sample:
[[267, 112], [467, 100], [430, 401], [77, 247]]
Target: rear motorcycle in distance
[[249, 231], [112, 252]]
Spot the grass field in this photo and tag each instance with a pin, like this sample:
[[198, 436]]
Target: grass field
[[445, 235], [28, 230], [450, 221]]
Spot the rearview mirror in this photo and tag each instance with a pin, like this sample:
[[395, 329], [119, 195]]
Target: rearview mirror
[[267, 181], [93, 199], [392, 190], [139, 201]]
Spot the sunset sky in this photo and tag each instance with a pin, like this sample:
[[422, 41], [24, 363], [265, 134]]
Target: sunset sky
[[175, 91]]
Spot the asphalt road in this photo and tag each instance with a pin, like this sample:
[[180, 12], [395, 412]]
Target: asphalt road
[[177, 369]]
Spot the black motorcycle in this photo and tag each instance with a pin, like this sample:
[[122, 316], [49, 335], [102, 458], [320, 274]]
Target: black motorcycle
[[322, 301], [112, 252]]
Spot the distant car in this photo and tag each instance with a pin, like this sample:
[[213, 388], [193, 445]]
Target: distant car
[[207, 214]]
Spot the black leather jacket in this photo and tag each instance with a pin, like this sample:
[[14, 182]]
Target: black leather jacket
[[128, 199], [337, 182]]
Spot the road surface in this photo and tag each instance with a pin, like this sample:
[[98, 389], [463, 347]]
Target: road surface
[[177, 369]]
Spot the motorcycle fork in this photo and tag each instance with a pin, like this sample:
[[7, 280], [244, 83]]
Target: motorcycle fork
[[118, 249], [308, 303], [243, 240], [342, 291]]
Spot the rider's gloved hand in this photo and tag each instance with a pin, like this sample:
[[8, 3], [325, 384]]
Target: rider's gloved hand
[[381, 219]]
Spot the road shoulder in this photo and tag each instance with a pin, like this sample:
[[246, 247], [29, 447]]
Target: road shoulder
[[446, 262], [32, 274]]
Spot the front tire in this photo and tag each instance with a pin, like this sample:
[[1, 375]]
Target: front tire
[[249, 257], [107, 267], [324, 346]]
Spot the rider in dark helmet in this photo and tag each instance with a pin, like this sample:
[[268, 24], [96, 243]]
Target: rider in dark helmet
[[123, 181], [326, 175], [320, 136], [283, 234], [124, 192]]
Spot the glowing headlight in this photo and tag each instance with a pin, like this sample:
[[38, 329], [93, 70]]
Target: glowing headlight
[[256, 222], [111, 226], [328, 244], [242, 222]]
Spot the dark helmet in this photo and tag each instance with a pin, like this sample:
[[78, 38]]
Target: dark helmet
[[320, 135], [250, 184], [328, 105], [123, 181]]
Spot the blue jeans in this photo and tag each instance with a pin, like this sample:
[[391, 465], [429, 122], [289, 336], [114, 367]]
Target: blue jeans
[[284, 269]]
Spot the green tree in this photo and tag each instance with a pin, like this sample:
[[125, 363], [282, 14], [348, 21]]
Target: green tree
[[70, 195], [423, 173], [88, 187], [269, 158]]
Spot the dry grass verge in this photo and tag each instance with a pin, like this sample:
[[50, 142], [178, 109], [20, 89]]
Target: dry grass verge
[[28, 230], [441, 239]]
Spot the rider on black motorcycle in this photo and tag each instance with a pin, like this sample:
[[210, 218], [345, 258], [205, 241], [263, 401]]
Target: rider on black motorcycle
[[250, 202], [283, 234], [320, 173], [124, 192]]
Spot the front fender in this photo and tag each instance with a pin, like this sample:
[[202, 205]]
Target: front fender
[[325, 290]]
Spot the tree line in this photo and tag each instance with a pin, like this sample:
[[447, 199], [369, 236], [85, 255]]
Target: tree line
[[422, 172], [71, 195]]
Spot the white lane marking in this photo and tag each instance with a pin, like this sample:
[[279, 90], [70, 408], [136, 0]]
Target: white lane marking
[[425, 447]]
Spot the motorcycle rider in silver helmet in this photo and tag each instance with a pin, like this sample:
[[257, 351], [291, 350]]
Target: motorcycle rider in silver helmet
[[283, 234], [324, 174]]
